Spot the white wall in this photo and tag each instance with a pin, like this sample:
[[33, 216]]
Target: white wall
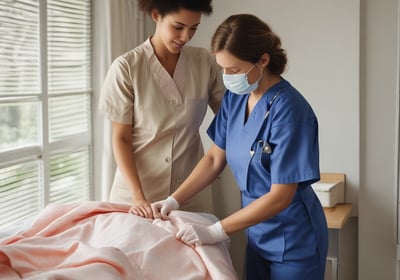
[[379, 128]]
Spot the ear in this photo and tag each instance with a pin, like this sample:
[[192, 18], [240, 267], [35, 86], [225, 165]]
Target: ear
[[264, 60], [155, 15]]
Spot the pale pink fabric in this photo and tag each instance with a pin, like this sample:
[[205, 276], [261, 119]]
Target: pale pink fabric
[[100, 240]]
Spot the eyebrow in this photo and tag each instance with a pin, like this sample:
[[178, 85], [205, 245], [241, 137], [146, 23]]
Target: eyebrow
[[181, 23], [232, 68]]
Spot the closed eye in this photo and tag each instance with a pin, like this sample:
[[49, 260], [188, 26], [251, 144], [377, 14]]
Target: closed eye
[[231, 70]]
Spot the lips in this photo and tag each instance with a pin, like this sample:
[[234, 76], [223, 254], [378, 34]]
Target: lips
[[179, 45]]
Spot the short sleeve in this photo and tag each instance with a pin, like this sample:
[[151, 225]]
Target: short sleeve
[[295, 156], [217, 88], [116, 99], [218, 127]]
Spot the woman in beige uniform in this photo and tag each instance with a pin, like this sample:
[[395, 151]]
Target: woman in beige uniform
[[156, 96]]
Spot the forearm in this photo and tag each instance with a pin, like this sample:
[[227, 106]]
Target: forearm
[[205, 172], [127, 164], [261, 209]]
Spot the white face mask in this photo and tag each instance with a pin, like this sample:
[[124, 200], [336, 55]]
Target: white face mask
[[238, 83]]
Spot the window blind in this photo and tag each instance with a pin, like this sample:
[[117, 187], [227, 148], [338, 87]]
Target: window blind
[[19, 48], [45, 104]]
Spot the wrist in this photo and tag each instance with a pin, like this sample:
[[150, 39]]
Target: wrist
[[137, 194], [218, 231], [173, 201]]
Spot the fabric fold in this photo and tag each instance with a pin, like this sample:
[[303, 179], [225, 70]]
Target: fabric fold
[[100, 240]]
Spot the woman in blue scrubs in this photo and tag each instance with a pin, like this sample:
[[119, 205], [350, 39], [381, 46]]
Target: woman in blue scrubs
[[268, 134]]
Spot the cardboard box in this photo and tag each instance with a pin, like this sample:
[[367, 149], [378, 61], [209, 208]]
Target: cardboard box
[[329, 193]]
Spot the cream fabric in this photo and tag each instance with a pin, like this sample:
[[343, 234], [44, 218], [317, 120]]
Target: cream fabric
[[165, 114]]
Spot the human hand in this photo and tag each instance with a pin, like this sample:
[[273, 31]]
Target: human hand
[[142, 208], [162, 208], [192, 234]]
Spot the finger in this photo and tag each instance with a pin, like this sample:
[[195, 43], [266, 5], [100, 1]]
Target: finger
[[138, 212], [135, 212], [164, 217], [148, 212], [189, 235], [156, 214], [182, 232], [179, 234], [143, 211], [188, 240], [164, 214], [154, 207]]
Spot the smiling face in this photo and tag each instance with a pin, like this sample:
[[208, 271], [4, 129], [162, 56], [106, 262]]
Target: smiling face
[[174, 30]]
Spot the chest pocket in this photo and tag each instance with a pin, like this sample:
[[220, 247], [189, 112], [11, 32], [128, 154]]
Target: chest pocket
[[259, 172], [261, 154], [265, 159]]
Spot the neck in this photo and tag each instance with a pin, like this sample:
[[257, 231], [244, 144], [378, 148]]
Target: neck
[[167, 59], [266, 82]]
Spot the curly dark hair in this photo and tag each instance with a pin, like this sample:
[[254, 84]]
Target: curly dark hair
[[169, 6]]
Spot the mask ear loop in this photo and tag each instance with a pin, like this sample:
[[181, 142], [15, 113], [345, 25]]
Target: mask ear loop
[[259, 77]]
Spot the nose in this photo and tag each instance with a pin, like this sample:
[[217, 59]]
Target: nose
[[185, 35]]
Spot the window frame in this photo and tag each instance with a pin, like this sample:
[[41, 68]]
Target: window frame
[[44, 149]]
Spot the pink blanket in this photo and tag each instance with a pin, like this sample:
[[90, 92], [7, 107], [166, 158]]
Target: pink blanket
[[100, 240]]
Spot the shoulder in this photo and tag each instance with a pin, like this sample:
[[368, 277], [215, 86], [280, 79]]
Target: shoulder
[[291, 102], [129, 65], [133, 56]]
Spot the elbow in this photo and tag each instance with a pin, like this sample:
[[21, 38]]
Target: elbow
[[216, 160], [215, 165]]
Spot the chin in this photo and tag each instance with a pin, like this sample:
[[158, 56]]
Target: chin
[[175, 48]]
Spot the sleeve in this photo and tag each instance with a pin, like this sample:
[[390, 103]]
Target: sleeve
[[218, 127], [216, 88], [116, 98], [295, 157]]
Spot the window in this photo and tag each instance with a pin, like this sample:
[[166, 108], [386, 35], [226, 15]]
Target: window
[[45, 103]]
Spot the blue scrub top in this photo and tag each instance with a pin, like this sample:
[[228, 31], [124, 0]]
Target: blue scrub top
[[291, 130]]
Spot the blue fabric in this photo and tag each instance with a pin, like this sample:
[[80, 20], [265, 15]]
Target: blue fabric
[[257, 268], [291, 129]]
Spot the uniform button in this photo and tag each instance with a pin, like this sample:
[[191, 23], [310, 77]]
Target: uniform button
[[178, 180], [167, 159]]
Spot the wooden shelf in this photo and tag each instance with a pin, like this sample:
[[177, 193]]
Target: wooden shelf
[[337, 215]]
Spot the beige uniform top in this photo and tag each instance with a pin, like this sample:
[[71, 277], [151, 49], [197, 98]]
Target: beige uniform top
[[165, 114]]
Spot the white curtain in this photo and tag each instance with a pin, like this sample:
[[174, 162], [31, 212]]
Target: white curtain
[[118, 26]]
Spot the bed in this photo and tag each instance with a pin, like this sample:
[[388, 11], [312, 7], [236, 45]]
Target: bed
[[100, 240]]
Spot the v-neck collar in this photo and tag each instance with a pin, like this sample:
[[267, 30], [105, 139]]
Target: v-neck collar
[[170, 87]]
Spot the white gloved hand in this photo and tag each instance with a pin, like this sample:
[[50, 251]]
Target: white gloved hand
[[192, 234], [164, 207]]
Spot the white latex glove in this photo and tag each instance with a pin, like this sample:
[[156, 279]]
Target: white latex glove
[[164, 207], [202, 235]]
